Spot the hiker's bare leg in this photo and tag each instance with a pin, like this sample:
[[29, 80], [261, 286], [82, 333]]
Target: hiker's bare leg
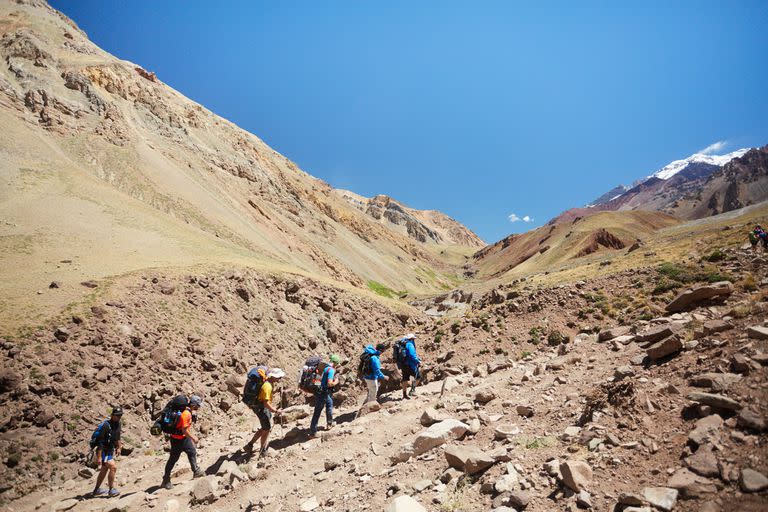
[[102, 475], [264, 436], [112, 470]]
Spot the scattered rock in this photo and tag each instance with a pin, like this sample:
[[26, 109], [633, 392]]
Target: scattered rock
[[404, 503], [752, 481], [576, 474], [716, 401], [699, 294], [484, 396], [525, 411], [758, 332], [369, 407], [204, 490], [664, 348], [309, 505], [751, 420], [469, 459], [662, 498], [431, 416]]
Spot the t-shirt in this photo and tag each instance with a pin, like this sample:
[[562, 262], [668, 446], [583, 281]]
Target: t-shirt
[[185, 421], [328, 375], [265, 394]]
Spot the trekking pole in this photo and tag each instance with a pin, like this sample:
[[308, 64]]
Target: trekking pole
[[282, 416]]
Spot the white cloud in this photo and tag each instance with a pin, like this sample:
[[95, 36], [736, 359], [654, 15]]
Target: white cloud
[[714, 148], [514, 218]]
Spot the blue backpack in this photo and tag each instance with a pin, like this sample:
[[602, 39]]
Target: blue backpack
[[256, 378], [97, 433]]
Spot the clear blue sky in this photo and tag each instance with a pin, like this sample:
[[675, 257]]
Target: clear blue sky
[[478, 109]]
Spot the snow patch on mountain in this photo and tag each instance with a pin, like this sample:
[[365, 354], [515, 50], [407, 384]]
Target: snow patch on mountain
[[675, 167]]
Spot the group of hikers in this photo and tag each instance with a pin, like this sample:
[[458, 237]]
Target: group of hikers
[[317, 378], [758, 235]]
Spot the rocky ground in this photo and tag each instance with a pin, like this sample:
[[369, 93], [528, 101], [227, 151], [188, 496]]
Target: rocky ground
[[626, 393]]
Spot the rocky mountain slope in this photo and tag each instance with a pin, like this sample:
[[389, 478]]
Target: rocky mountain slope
[[426, 226], [105, 166]]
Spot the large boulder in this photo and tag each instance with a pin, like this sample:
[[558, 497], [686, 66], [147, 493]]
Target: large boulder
[[431, 416], [576, 474], [715, 381], [614, 332], [204, 490], [469, 459], [694, 296], [658, 333]]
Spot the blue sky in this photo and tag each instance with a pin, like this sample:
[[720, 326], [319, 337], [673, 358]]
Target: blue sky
[[478, 109]]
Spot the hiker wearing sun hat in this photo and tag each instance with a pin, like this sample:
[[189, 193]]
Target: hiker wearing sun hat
[[264, 410], [324, 395]]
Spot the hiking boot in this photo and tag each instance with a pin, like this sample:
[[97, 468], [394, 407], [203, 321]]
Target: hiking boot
[[406, 397], [166, 484], [113, 492], [262, 453], [98, 492], [198, 473]]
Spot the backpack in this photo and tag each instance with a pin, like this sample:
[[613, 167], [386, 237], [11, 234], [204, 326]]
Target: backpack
[[170, 415], [256, 379], [365, 367], [97, 433], [400, 353], [312, 374]]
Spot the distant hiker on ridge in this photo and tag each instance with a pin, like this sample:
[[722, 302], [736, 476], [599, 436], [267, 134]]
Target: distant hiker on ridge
[[408, 362], [324, 395], [106, 441]]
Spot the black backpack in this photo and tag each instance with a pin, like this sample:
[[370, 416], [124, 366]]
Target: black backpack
[[365, 367], [400, 353], [170, 416], [256, 379]]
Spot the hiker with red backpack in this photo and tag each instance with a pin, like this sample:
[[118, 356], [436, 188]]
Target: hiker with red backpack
[[408, 362], [106, 442], [262, 385], [323, 391], [177, 419]]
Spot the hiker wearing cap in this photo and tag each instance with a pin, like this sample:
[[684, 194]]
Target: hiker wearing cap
[[370, 367], [183, 440], [264, 410], [324, 395], [408, 361], [106, 441]]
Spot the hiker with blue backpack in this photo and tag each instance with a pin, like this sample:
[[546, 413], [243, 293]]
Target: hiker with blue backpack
[[408, 362], [369, 370], [257, 395], [176, 420], [323, 391], [105, 440]]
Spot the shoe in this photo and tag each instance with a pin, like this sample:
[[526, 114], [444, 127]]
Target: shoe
[[248, 448], [113, 492], [406, 397], [98, 492], [166, 484], [198, 473], [262, 453], [330, 425]]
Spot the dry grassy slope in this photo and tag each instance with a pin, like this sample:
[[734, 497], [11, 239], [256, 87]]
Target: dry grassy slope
[[106, 166], [551, 245]]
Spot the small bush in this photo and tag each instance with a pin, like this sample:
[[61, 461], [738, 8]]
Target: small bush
[[748, 284], [715, 256]]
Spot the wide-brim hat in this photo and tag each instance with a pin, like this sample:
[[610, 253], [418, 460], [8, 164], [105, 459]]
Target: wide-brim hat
[[275, 373]]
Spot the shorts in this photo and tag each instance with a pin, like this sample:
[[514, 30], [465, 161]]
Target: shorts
[[408, 372], [107, 456], [264, 415]]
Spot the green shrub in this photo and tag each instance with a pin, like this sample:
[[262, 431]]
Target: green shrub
[[715, 256]]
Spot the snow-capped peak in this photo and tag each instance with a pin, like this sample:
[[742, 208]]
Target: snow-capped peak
[[673, 168]]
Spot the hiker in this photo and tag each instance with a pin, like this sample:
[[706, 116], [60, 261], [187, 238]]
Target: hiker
[[182, 438], [753, 239], [106, 442], [408, 362], [371, 370], [763, 235], [264, 409], [324, 395]]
